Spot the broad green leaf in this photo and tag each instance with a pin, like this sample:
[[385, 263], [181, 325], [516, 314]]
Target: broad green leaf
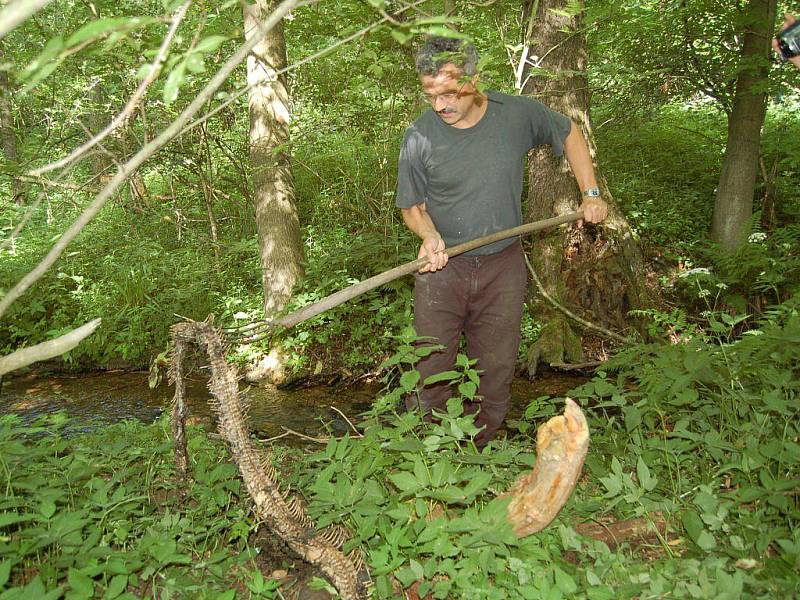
[[47, 508], [421, 473], [5, 572], [696, 530], [404, 481], [443, 376], [467, 389], [116, 586], [80, 583], [99, 27], [195, 63], [209, 44], [174, 81], [401, 35], [633, 417], [643, 474], [477, 484], [407, 445], [409, 379], [7, 519], [440, 473]]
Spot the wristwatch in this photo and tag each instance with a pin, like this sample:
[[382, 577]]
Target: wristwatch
[[592, 193]]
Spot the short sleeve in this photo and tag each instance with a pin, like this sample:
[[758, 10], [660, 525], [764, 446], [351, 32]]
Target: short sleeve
[[412, 178], [547, 126]]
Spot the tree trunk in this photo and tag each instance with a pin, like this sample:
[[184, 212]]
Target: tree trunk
[[9, 136], [277, 223], [598, 269], [733, 207]]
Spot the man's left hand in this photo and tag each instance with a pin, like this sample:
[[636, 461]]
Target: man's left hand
[[594, 210]]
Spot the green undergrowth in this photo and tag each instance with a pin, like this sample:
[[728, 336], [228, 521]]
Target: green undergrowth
[[98, 516], [700, 437]]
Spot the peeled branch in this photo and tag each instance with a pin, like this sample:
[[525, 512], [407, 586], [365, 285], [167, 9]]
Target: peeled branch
[[46, 350], [538, 496]]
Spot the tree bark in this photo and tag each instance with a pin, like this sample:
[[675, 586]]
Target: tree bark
[[278, 226], [598, 269], [733, 206], [9, 136]]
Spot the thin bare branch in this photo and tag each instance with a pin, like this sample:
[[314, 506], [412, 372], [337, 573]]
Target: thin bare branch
[[17, 12], [148, 150], [349, 422], [133, 102], [49, 349]]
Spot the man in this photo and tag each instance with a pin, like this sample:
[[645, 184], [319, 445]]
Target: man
[[460, 177]]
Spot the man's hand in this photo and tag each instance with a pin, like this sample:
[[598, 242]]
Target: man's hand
[[433, 248], [788, 21], [594, 210]]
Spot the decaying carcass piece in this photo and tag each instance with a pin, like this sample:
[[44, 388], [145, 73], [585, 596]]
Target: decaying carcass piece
[[561, 446], [285, 518]]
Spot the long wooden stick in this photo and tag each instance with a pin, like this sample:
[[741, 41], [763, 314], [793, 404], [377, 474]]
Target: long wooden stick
[[348, 293]]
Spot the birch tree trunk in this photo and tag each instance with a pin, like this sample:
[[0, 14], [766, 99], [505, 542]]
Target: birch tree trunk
[[278, 226], [598, 270], [733, 206]]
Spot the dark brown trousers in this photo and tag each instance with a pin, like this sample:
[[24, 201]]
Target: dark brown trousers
[[481, 297]]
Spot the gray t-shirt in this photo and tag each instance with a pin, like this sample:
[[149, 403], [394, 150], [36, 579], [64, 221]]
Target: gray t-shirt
[[471, 179]]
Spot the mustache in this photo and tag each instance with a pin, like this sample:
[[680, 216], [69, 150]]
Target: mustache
[[447, 110]]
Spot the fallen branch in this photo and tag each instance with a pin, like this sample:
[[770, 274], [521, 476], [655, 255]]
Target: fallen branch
[[577, 366], [49, 349]]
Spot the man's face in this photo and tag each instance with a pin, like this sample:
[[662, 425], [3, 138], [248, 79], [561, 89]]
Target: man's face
[[453, 98]]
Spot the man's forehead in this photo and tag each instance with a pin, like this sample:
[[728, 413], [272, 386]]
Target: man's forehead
[[448, 74]]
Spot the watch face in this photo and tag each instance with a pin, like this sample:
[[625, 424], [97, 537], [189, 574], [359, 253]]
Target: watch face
[[592, 192]]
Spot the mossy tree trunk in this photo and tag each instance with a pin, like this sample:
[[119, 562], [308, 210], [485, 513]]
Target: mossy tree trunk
[[733, 206], [278, 226], [597, 271]]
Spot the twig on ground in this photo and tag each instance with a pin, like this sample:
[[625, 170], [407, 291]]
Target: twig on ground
[[357, 432], [578, 366]]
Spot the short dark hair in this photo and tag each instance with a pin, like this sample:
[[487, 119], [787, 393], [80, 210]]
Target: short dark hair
[[437, 51]]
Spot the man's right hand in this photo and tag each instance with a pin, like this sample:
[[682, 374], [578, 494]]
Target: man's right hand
[[433, 248]]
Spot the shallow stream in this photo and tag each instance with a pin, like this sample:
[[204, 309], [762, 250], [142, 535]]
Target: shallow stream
[[95, 400]]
